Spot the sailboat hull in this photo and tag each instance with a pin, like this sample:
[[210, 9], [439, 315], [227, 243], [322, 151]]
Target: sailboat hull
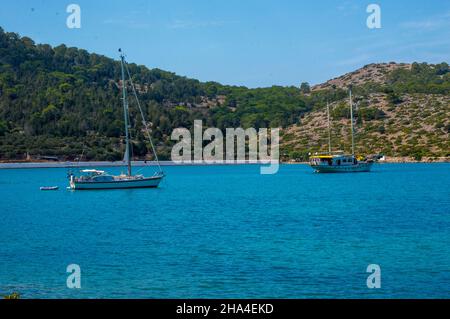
[[357, 168], [151, 182]]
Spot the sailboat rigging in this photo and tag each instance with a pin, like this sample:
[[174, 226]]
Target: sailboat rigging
[[339, 162], [329, 128], [99, 179]]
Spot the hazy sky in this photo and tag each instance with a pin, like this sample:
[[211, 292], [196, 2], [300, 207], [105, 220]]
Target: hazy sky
[[243, 42]]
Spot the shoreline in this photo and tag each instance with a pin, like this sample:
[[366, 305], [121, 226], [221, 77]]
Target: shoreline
[[54, 164]]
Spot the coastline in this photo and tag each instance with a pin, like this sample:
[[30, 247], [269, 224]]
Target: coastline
[[54, 164], [399, 160]]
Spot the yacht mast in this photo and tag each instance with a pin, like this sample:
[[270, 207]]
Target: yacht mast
[[125, 113], [147, 130], [329, 128], [351, 117]]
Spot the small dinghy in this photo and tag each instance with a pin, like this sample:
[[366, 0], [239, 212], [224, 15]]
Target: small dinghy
[[49, 188]]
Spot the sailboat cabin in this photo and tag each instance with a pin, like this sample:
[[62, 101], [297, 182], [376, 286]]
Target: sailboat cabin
[[333, 160]]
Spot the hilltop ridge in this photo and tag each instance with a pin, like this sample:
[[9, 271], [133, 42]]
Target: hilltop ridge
[[374, 73]]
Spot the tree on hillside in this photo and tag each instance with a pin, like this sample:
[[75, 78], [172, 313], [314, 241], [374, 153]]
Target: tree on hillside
[[305, 88]]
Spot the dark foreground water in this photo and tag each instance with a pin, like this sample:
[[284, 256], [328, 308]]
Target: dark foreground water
[[226, 231]]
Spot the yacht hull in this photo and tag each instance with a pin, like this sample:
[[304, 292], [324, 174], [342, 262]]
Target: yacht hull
[[357, 168], [151, 182]]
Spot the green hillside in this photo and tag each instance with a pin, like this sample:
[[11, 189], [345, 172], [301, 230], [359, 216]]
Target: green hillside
[[61, 101]]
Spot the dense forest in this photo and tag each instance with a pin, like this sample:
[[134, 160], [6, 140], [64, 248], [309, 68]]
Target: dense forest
[[64, 102]]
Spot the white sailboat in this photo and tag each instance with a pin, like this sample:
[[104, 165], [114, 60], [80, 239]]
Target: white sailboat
[[339, 162], [98, 179]]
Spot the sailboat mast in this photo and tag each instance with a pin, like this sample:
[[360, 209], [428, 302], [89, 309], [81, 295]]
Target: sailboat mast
[[125, 113], [329, 128], [351, 118]]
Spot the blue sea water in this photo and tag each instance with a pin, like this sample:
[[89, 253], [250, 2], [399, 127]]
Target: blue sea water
[[227, 231]]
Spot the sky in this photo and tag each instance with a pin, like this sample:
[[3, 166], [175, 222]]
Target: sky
[[255, 43]]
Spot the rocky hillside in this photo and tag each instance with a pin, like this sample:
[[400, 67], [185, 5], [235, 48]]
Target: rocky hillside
[[416, 125], [62, 102], [400, 110], [375, 73]]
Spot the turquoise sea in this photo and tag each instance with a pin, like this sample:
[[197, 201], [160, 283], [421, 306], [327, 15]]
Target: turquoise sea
[[229, 232]]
